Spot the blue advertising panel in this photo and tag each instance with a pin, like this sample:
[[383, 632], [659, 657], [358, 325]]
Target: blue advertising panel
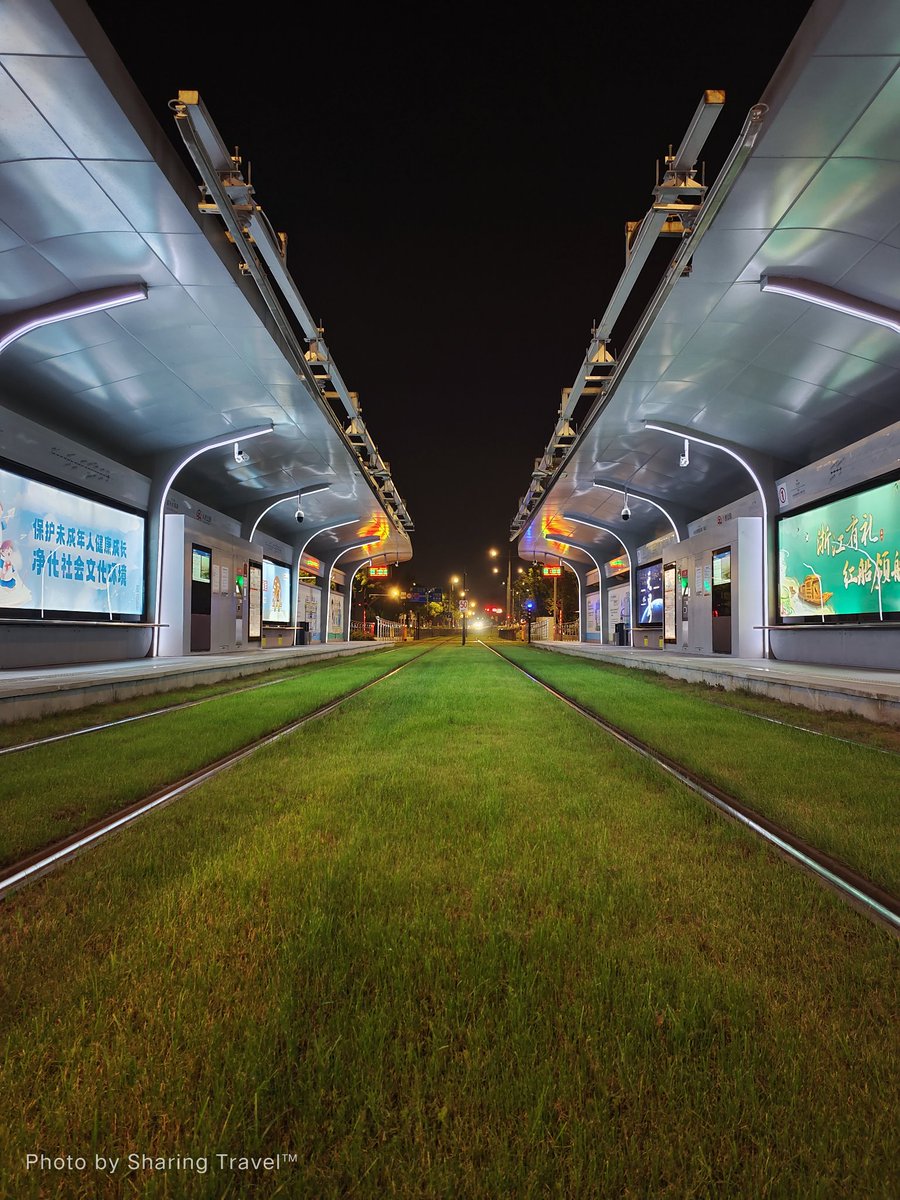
[[650, 594], [842, 558], [276, 594], [67, 553]]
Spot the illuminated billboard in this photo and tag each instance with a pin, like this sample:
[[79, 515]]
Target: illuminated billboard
[[650, 594], [65, 553], [670, 596], [842, 559], [276, 592]]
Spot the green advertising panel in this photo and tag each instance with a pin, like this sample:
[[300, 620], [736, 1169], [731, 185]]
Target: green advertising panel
[[842, 558]]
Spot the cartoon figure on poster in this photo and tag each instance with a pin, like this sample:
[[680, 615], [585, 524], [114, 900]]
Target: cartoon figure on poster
[[13, 592], [277, 612]]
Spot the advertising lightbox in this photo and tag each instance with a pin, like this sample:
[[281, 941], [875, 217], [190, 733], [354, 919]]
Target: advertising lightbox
[[276, 593], [65, 553], [669, 595], [254, 619], [650, 594], [842, 559]]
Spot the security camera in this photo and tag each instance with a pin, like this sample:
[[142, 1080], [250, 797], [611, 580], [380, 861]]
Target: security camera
[[626, 513], [298, 516]]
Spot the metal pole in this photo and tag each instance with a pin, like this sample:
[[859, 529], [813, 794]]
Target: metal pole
[[465, 610]]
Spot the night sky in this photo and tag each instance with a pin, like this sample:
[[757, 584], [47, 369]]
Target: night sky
[[454, 181]]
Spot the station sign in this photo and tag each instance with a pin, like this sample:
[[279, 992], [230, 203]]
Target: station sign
[[379, 572], [554, 572]]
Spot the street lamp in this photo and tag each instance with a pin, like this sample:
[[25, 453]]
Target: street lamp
[[494, 554]]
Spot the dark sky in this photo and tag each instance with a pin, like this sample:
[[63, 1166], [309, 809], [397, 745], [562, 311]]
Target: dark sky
[[454, 180]]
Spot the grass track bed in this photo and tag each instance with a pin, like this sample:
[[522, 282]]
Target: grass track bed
[[50, 791], [842, 798], [449, 941]]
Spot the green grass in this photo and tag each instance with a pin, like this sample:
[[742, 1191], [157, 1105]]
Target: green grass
[[449, 941], [15, 733], [47, 792], [842, 798]]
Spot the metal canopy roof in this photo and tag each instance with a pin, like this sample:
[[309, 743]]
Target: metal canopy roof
[[819, 198], [92, 194]]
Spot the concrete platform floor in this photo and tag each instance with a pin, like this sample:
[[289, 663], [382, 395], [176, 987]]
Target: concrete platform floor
[[40, 690]]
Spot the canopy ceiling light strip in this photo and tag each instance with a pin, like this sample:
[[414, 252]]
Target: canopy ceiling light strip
[[829, 297]]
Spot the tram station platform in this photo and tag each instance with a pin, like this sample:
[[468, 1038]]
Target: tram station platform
[[38, 691], [872, 694]]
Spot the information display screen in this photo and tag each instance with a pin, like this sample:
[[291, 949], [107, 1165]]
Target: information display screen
[[842, 559], [201, 564], [721, 567], [276, 594], [650, 594], [65, 553]]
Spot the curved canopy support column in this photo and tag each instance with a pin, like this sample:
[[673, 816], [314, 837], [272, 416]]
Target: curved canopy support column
[[300, 548], [329, 565], [762, 470], [350, 576], [629, 545], [251, 516], [677, 515], [581, 572], [164, 471]]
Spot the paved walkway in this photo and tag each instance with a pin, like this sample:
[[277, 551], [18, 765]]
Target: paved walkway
[[40, 690]]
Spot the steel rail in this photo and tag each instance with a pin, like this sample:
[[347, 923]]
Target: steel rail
[[16, 875], [156, 712], [865, 896], [831, 737]]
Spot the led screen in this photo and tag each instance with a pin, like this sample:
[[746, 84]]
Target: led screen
[[60, 552], [201, 564], [276, 595], [721, 567], [842, 558], [650, 594]]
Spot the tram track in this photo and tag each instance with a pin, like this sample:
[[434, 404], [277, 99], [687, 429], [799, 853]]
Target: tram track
[[101, 726], [869, 898], [40, 862]]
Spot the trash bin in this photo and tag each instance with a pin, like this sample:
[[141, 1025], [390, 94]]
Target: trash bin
[[622, 632], [302, 638]]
